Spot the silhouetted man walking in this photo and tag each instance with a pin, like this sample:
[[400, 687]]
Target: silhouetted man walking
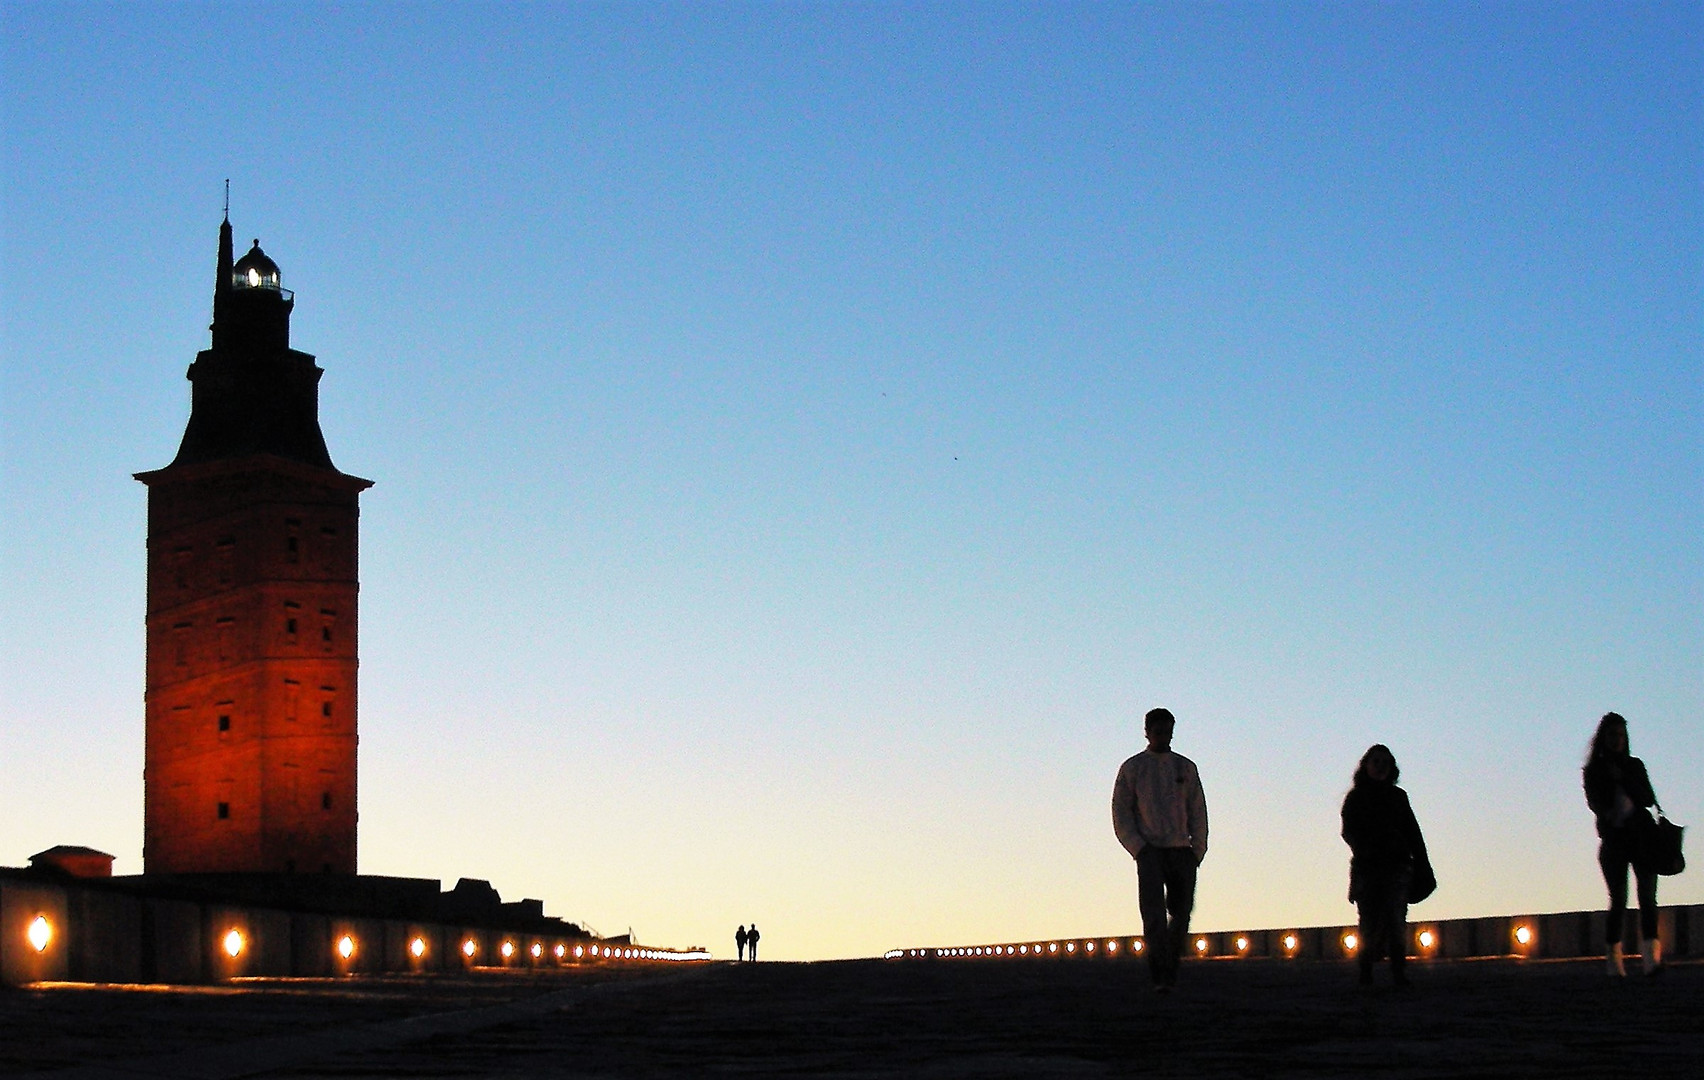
[[751, 940], [1159, 814], [740, 939]]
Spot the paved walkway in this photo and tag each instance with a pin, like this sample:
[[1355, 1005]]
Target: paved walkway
[[1500, 1019]]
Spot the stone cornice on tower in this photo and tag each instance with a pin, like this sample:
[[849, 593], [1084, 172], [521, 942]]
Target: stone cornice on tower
[[254, 463]]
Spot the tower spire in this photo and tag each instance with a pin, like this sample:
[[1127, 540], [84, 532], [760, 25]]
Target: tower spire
[[222, 276]]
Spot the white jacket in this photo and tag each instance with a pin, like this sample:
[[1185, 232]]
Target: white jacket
[[1158, 800]]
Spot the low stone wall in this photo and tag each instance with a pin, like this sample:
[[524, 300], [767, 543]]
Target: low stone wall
[[51, 931], [1554, 935]]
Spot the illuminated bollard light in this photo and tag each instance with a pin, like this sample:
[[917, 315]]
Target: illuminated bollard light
[[39, 934], [1242, 945], [561, 951], [1201, 946], [346, 946], [1351, 942], [508, 950], [1136, 945], [1291, 943], [469, 947], [234, 944], [537, 950], [417, 948]]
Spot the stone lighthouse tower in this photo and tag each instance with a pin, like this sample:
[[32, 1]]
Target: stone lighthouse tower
[[252, 588]]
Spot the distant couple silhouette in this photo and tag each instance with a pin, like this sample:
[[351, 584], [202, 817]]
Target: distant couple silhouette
[[746, 941]]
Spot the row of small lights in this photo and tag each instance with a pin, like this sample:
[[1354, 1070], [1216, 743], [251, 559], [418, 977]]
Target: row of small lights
[[40, 934], [1523, 936]]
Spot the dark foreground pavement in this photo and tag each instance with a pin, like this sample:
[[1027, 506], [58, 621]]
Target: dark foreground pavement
[[1501, 1019]]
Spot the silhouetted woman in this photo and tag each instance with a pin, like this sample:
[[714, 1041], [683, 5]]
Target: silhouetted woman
[[1618, 790], [1388, 857]]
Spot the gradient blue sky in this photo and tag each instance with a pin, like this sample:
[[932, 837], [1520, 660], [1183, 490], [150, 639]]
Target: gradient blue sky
[[808, 437]]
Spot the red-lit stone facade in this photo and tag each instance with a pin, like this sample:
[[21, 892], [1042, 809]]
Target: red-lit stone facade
[[250, 756], [252, 589]]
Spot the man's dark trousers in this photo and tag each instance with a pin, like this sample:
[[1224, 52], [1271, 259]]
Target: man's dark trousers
[[1165, 885]]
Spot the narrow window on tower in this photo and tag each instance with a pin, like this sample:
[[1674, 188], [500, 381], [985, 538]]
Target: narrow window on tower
[[225, 626], [325, 800], [292, 540], [224, 811], [325, 706], [292, 697], [292, 611], [327, 618], [226, 549], [224, 722], [180, 732]]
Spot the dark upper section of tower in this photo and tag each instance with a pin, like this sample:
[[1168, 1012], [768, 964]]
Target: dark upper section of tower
[[252, 393]]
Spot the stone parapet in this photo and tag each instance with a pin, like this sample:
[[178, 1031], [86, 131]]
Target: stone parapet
[[70, 929]]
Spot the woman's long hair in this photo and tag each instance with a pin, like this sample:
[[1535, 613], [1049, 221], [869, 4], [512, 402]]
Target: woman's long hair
[[1361, 776], [1600, 739]]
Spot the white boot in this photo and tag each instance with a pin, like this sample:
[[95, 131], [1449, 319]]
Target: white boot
[[1612, 961], [1651, 955]]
